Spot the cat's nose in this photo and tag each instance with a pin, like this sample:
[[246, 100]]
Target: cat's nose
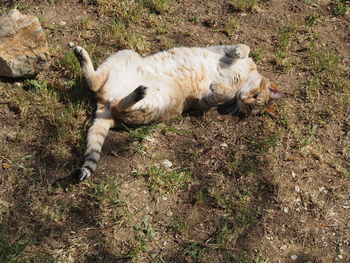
[[243, 98]]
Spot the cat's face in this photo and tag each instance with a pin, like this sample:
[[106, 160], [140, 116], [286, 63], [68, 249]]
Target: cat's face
[[256, 95]]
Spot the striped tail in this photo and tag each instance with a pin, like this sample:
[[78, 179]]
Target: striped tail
[[95, 139]]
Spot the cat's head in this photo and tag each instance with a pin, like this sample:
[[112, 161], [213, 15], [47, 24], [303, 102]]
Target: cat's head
[[256, 95]]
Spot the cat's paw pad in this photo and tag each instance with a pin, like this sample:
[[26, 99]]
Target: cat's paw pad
[[140, 92], [82, 173], [80, 53]]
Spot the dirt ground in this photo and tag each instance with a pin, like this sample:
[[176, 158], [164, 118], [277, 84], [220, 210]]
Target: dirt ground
[[202, 187]]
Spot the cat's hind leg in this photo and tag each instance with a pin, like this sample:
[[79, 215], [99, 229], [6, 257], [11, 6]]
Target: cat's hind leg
[[94, 78]]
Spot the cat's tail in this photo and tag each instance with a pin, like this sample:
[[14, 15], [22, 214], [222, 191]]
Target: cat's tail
[[95, 139], [94, 78]]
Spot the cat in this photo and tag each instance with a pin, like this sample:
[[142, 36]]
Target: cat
[[132, 89]]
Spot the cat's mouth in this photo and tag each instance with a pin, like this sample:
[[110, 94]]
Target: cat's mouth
[[235, 107]]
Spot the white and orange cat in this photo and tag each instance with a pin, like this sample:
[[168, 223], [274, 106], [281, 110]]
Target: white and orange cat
[[133, 89]]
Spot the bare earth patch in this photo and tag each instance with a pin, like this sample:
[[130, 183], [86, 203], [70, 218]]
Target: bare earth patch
[[199, 188]]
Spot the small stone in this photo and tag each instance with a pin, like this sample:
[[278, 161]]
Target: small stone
[[169, 213], [63, 23], [294, 257], [167, 164], [165, 243], [243, 14], [224, 145], [23, 47], [165, 198], [284, 247], [71, 44], [293, 175], [285, 209], [340, 256], [297, 189]]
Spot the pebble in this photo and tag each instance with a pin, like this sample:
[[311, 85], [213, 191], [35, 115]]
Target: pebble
[[340, 256], [285, 209], [167, 164], [169, 213], [293, 175], [71, 44], [284, 247], [165, 198], [294, 257], [224, 145], [297, 189]]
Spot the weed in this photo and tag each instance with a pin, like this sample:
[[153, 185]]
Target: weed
[[160, 181], [15, 252], [195, 250], [156, 6], [244, 5], [84, 23], [258, 55], [142, 133], [284, 39], [70, 65], [339, 7], [119, 33], [195, 20], [179, 225], [145, 234], [264, 146], [231, 25]]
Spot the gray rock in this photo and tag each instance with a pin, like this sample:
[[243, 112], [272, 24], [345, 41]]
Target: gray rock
[[23, 47]]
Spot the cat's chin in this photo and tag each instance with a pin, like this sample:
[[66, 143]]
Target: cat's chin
[[244, 108]]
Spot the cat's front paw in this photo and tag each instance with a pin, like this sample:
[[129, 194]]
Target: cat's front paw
[[242, 51], [140, 92], [81, 54], [214, 87], [81, 174], [218, 88]]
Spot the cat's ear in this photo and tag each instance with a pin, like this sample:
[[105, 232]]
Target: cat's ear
[[275, 93]]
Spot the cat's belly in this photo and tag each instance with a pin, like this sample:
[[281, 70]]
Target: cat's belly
[[149, 115]]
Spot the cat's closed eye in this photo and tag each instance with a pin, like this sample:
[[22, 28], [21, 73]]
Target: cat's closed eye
[[256, 95]]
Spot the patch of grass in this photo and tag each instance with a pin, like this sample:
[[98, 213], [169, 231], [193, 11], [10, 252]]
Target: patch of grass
[[196, 20], [145, 233], [16, 251], [284, 40], [84, 23], [142, 133], [61, 128], [119, 33], [195, 250], [264, 146], [180, 225], [231, 25], [156, 6], [258, 55], [339, 7], [161, 181], [244, 5], [70, 65]]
